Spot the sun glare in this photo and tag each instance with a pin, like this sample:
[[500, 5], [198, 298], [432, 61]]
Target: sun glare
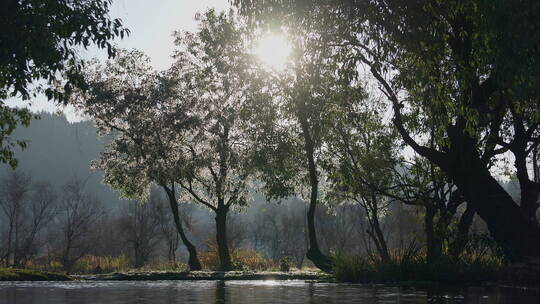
[[273, 51]]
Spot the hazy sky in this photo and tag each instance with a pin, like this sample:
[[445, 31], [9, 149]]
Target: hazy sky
[[151, 23]]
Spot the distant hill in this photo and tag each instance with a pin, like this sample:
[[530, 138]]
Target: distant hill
[[58, 150]]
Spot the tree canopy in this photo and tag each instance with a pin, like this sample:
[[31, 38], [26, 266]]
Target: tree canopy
[[39, 43], [463, 73]]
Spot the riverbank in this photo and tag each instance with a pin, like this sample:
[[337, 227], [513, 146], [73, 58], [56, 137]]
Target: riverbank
[[313, 276], [10, 274], [206, 275]]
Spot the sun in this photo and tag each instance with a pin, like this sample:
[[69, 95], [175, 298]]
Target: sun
[[273, 51]]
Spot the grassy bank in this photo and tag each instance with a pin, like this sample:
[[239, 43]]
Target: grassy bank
[[467, 270], [207, 275], [10, 274]]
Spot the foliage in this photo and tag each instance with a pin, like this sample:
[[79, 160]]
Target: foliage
[[290, 121], [285, 264], [181, 127], [461, 74], [469, 269], [212, 65], [38, 51], [363, 162], [241, 259], [88, 264], [146, 116]]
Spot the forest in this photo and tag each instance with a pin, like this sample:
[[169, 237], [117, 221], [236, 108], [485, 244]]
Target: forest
[[374, 140]]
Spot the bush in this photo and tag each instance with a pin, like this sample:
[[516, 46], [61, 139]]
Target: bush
[[86, 265], [285, 264], [250, 259], [241, 259], [468, 269], [353, 268]]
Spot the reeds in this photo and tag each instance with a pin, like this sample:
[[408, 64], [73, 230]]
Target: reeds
[[470, 268]]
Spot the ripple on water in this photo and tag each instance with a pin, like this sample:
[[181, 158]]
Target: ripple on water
[[244, 292]]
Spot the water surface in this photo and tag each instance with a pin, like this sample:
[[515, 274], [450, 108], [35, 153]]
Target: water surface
[[247, 292]]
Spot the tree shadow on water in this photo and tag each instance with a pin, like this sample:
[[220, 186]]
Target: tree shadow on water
[[220, 292]]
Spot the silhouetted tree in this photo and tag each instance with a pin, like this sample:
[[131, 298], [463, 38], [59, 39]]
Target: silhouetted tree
[[291, 116], [212, 64], [466, 72], [147, 117]]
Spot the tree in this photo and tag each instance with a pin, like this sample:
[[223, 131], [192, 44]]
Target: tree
[[78, 212], [365, 166], [363, 155], [39, 213], [15, 192], [469, 72], [421, 183], [279, 231], [291, 120], [147, 118], [140, 230], [180, 128], [27, 207], [167, 225], [38, 53], [212, 66]]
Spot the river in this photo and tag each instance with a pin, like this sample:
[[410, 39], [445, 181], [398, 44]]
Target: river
[[247, 292]]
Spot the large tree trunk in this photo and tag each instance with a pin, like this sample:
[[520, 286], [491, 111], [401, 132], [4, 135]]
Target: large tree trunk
[[518, 235], [314, 254], [462, 235], [193, 260], [433, 239], [320, 260], [530, 190], [221, 238]]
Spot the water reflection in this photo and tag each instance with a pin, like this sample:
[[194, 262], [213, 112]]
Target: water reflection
[[247, 292]]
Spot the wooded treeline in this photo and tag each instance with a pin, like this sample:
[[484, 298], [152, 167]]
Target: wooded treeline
[[65, 228], [382, 103]]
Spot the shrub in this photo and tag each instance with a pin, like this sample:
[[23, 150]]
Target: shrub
[[241, 259], [285, 264], [88, 263], [85, 265], [468, 269]]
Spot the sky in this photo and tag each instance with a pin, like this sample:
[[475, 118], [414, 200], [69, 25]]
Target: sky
[[151, 23]]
